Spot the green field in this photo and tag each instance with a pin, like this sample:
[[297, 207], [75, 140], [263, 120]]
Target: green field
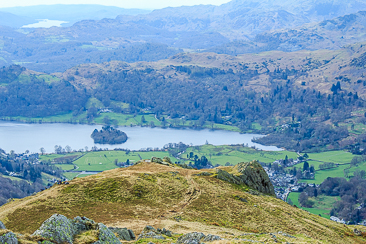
[[61, 118], [323, 204], [340, 157], [65, 166], [127, 119], [11, 177], [53, 156], [236, 154], [70, 176]]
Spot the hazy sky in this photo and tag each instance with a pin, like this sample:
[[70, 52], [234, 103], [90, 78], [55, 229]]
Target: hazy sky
[[144, 4]]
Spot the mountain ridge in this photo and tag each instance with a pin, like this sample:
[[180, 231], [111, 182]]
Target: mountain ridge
[[71, 12]]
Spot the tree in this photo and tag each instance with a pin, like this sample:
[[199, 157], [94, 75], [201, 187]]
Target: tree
[[143, 120], [306, 166], [68, 149], [312, 169], [107, 120], [42, 150], [58, 149]]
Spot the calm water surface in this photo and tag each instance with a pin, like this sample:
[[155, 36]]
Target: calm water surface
[[45, 23], [20, 137]]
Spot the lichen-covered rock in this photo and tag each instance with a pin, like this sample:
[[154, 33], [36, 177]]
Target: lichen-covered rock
[[106, 236], [58, 229], [191, 238], [166, 161], [164, 232], [156, 160], [210, 237], [150, 232], [8, 238], [83, 224], [251, 174], [123, 233], [2, 226]]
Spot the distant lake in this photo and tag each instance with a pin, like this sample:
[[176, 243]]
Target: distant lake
[[45, 23], [21, 137]]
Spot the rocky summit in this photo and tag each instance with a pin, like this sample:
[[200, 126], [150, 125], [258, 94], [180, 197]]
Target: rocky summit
[[156, 201], [250, 174]]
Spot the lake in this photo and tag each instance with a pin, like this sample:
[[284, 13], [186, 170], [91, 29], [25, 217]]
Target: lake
[[45, 23], [21, 137]]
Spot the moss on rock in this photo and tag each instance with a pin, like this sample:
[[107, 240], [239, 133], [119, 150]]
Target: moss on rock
[[251, 174]]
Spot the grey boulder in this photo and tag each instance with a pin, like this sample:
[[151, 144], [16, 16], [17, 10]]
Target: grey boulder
[[191, 238], [123, 233], [210, 237], [58, 229], [106, 236], [9, 238]]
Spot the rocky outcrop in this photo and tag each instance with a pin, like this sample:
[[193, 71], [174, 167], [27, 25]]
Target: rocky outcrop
[[196, 238], [210, 238], [2, 226], [151, 232], [123, 233], [106, 236], [58, 229], [165, 161], [83, 224], [251, 174], [9, 238]]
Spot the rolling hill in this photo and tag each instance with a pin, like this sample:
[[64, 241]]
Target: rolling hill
[[14, 21], [317, 70], [182, 200]]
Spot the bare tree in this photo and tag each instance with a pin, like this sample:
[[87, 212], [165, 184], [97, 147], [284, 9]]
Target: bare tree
[[68, 149]]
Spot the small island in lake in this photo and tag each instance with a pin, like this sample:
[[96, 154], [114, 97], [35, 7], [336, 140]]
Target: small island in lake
[[109, 135]]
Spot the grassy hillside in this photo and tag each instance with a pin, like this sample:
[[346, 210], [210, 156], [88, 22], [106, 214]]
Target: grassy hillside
[[176, 198]]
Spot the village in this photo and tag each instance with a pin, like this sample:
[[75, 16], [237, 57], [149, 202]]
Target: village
[[283, 181]]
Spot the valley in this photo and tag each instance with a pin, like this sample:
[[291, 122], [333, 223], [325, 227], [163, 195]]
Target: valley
[[244, 121]]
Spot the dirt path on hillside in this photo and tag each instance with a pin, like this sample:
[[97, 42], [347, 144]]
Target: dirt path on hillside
[[193, 193]]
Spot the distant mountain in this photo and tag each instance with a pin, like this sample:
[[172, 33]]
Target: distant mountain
[[328, 34], [72, 12], [14, 21], [234, 28], [240, 19]]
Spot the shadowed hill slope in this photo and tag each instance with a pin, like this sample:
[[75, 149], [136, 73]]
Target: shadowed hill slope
[[170, 196]]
